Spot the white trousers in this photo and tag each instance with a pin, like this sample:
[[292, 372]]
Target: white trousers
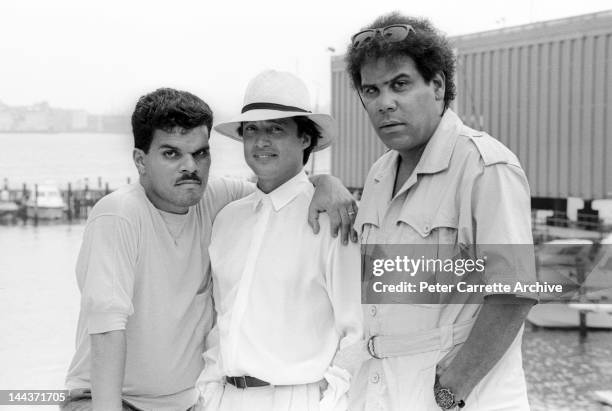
[[406, 383], [303, 397]]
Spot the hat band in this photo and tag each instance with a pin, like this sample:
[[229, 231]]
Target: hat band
[[271, 106]]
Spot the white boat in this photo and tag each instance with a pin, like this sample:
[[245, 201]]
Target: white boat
[[556, 315], [557, 263], [593, 297], [48, 205], [8, 208]]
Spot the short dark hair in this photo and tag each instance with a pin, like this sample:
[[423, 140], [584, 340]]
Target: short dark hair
[[428, 47], [168, 109], [304, 126]]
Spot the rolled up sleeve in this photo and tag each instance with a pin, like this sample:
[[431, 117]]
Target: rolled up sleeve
[[105, 270]]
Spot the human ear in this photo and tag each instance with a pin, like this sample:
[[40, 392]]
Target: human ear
[[138, 156], [439, 83], [306, 139]]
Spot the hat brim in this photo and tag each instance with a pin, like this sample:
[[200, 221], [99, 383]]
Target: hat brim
[[326, 124]]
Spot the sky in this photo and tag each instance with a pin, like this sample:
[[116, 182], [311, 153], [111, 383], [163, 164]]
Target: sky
[[102, 55]]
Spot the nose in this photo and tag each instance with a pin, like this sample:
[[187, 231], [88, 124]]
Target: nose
[[262, 140], [386, 102], [188, 165]]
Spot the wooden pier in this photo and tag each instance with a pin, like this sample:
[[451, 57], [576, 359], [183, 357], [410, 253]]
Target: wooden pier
[[78, 201]]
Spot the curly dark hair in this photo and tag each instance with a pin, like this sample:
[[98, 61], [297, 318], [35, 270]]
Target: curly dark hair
[[428, 48], [169, 110], [304, 126]]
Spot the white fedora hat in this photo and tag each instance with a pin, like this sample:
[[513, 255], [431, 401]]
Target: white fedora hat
[[278, 94]]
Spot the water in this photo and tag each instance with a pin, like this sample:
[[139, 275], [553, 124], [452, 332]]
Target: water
[[39, 303], [75, 157]]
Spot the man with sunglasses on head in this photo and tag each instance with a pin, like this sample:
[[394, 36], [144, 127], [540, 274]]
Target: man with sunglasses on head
[[443, 188]]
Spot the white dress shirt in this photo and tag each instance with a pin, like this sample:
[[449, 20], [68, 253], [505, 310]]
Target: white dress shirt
[[287, 300]]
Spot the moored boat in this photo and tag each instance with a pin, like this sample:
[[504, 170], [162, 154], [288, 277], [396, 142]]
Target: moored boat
[[47, 205]]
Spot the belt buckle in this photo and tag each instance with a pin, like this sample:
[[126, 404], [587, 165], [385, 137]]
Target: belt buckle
[[372, 348]]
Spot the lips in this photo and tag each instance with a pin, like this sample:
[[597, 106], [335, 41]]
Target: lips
[[182, 182], [390, 124], [264, 156]]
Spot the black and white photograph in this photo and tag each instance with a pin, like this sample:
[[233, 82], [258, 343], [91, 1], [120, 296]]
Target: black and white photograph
[[305, 206]]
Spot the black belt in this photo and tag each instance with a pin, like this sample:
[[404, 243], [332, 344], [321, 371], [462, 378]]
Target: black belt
[[246, 382]]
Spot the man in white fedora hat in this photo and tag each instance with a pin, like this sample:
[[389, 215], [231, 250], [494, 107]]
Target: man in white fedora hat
[[287, 301]]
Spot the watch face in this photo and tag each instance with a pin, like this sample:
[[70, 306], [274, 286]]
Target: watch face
[[445, 398]]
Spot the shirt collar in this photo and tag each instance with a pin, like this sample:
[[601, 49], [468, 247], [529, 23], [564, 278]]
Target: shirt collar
[[437, 154], [284, 193]]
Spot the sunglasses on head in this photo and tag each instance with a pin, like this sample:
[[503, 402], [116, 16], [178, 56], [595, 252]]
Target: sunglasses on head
[[392, 33]]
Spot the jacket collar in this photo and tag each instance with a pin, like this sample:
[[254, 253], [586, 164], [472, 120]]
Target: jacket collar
[[438, 151]]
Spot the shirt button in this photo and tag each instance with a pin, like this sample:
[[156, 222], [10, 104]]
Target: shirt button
[[426, 229], [375, 378], [373, 310]]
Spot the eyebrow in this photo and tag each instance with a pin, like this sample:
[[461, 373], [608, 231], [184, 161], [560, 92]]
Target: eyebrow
[[388, 81], [171, 147]]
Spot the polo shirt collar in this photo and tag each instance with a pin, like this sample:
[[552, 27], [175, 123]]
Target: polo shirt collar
[[283, 194]]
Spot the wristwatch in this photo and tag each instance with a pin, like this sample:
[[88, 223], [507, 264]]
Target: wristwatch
[[445, 397]]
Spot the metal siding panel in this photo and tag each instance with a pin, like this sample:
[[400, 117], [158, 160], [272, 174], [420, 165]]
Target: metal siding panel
[[470, 72], [355, 139], [523, 153], [553, 122], [514, 100], [575, 106], [352, 132], [458, 106], [361, 155], [504, 93], [532, 134], [586, 187], [486, 90], [565, 118], [355, 151], [335, 112], [340, 148], [467, 90], [599, 50], [544, 63], [477, 81], [608, 118], [496, 95]]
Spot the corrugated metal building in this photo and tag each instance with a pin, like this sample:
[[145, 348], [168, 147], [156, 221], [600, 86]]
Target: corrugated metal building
[[543, 89]]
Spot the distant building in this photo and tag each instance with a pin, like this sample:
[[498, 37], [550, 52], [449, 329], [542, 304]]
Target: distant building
[[42, 118]]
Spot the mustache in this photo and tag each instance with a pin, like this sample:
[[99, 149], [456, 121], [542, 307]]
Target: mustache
[[189, 177]]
